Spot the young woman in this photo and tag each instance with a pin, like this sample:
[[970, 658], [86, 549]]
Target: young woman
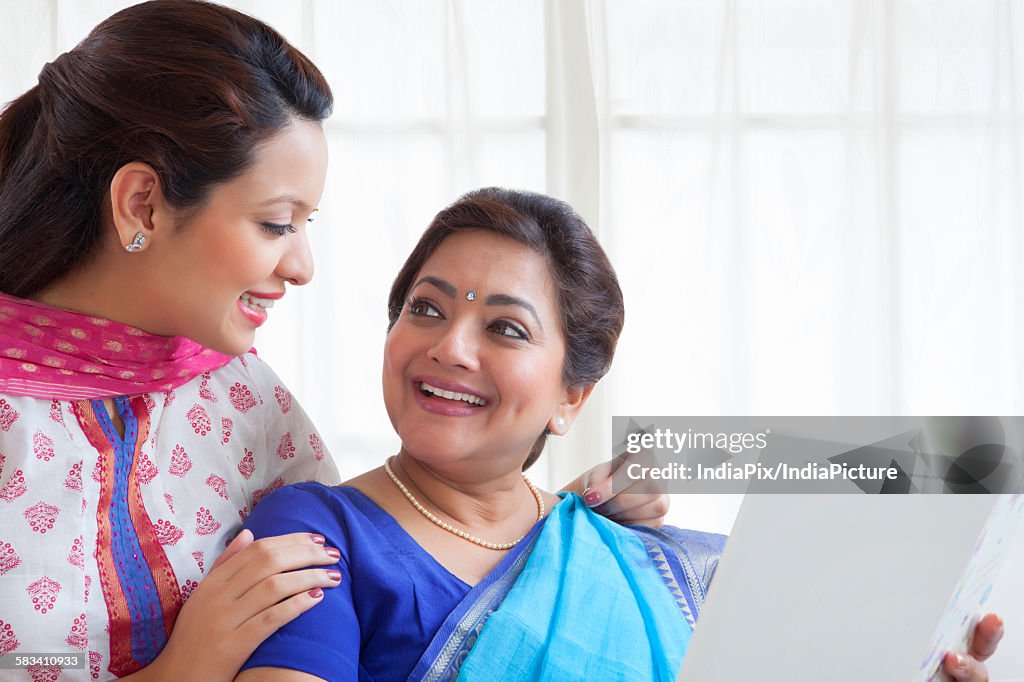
[[155, 187], [502, 319]]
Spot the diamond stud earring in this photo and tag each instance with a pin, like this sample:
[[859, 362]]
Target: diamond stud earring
[[137, 243]]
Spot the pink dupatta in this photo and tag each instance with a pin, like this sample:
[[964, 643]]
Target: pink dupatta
[[52, 353]]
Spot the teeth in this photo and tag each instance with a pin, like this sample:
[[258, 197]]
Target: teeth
[[451, 395], [253, 302]]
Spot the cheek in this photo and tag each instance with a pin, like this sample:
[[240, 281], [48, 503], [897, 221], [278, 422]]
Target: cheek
[[252, 260], [397, 353], [239, 256], [537, 385]]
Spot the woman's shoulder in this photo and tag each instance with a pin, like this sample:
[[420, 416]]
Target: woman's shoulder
[[684, 536], [692, 553], [693, 547], [686, 560], [247, 370], [308, 506], [308, 495]]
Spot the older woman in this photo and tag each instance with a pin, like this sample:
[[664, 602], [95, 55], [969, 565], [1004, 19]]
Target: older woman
[[502, 320], [453, 563]]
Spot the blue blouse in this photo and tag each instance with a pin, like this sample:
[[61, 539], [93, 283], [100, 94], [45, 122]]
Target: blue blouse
[[392, 598], [397, 610]]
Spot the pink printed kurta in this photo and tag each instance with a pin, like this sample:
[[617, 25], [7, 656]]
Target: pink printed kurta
[[100, 546]]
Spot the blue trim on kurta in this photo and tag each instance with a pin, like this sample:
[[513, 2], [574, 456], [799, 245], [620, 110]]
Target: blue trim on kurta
[[133, 573]]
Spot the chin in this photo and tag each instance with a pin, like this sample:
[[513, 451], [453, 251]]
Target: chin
[[428, 452], [235, 348], [234, 345]]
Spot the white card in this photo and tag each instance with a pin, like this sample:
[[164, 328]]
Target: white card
[[845, 587]]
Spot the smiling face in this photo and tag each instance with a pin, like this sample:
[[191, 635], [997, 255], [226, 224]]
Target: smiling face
[[213, 277], [476, 380]]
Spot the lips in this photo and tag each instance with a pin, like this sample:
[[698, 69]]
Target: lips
[[447, 398], [257, 302], [471, 398], [254, 305]]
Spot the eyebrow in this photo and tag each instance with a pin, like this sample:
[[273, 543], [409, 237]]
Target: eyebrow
[[494, 299], [446, 287], [505, 299], [289, 199]]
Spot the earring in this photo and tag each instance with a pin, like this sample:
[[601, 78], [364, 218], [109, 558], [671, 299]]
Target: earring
[[137, 243], [559, 422]]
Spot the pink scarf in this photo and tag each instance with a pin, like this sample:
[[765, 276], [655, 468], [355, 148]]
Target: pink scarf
[[52, 353]]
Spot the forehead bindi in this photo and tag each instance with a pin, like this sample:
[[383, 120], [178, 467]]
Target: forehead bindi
[[494, 267]]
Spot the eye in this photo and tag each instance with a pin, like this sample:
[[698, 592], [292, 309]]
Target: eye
[[422, 308], [278, 230], [510, 329]]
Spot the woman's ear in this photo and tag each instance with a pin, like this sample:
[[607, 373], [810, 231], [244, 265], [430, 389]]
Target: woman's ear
[[569, 409], [135, 196]]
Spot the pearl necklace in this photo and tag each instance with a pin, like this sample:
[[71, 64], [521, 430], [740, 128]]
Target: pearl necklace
[[458, 531]]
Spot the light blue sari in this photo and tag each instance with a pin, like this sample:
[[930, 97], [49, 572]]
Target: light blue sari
[[580, 598]]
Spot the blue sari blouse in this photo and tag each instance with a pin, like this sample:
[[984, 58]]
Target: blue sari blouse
[[578, 596]]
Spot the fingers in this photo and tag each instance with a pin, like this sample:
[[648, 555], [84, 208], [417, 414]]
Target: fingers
[[266, 622], [599, 480], [965, 668], [227, 566], [649, 512], [632, 506], [984, 642], [271, 555], [255, 589], [985, 639], [280, 586], [241, 541]]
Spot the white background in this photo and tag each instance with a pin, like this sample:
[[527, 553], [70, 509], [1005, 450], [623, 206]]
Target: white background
[[814, 207]]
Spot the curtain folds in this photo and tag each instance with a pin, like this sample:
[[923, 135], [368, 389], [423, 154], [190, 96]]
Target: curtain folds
[[813, 206]]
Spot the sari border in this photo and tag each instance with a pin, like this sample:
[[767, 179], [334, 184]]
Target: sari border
[[676, 561], [443, 658]]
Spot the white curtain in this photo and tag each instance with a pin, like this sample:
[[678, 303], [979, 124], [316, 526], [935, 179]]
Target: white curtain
[[814, 206]]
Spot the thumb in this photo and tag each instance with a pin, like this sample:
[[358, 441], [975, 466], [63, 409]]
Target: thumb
[[241, 541]]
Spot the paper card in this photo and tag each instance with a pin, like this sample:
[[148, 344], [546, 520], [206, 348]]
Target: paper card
[[967, 603]]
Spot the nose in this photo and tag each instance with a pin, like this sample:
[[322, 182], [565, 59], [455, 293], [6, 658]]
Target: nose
[[296, 265], [456, 347]]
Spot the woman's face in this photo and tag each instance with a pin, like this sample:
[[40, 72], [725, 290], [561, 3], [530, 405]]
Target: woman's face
[[476, 380], [216, 275]]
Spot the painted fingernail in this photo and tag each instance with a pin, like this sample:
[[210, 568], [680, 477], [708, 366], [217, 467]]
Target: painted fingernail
[[591, 497], [333, 553], [334, 575], [316, 593], [318, 539]]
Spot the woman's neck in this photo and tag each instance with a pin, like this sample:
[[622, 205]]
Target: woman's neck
[[101, 289], [476, 500]]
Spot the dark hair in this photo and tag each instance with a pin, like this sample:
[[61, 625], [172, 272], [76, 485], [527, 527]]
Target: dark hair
[[588, 296], [188, 87]]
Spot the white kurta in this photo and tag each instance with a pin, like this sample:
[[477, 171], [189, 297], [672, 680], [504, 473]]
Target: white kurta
[[73, 517]]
